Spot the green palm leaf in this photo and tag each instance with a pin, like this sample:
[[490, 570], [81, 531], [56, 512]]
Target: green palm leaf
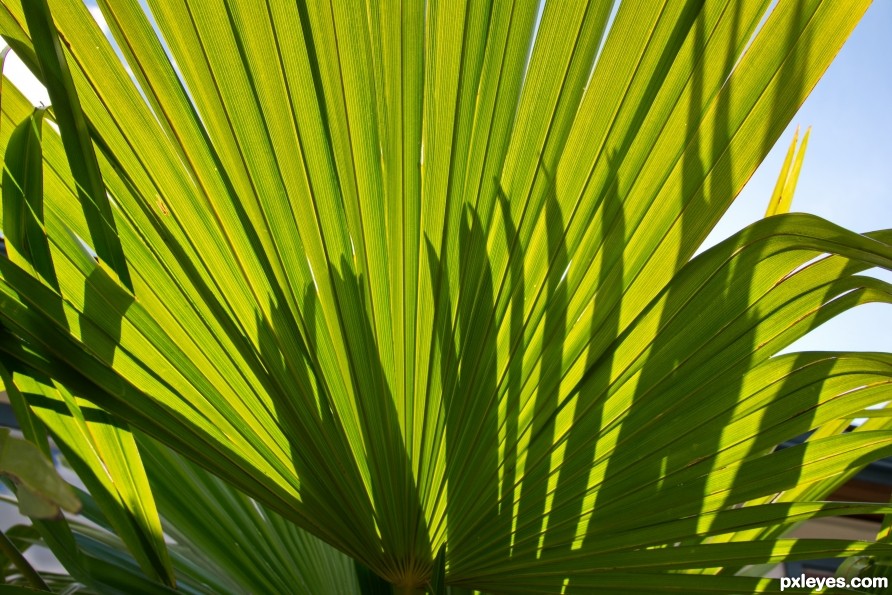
[[221, 531], [417, 276]]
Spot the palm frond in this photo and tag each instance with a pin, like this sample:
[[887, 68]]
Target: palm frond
[[422, 275]]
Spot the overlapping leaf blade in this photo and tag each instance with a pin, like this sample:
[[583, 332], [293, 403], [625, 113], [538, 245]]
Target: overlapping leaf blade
[[260, 550], [415, 278]]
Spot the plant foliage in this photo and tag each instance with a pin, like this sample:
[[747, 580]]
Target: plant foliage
[[419, 279]]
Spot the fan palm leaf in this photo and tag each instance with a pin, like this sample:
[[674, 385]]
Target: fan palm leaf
[[420, 277]]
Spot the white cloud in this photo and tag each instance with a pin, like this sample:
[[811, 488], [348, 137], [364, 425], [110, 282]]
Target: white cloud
[[16, 71]]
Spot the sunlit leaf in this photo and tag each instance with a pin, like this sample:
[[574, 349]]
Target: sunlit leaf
[[419, 280]]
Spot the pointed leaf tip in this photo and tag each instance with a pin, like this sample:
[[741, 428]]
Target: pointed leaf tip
[[782, 197]]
